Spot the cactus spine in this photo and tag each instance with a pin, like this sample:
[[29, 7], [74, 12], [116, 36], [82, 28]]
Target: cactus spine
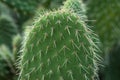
[[60, 46], [77, 7]]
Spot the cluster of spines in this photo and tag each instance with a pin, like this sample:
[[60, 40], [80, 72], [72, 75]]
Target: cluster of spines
[[16, 43], [62, 44], [77, 7]]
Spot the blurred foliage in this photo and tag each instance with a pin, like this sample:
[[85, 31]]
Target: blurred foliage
[[6, 63], [23, 8], [8, 28], [112, 64], [104, 15]]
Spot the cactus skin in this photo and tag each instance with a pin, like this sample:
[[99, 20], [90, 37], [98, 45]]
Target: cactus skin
[[77, 7], [106, 14], [16, 45], [59, 47], [113, 67]]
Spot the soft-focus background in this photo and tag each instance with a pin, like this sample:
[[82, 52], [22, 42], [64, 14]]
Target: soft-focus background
[[17, 16]]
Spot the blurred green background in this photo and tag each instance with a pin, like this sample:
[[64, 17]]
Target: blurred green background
[[17, 16]]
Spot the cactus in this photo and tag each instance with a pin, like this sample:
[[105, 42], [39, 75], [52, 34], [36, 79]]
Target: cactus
[[16, 45], [39, 12], [112, 66], [59, 47], [77, 7], [106, 14]]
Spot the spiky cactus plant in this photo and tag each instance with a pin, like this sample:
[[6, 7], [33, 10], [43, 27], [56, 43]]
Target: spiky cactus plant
[[59, 47], [77, 7], [104, 15], [16, 45]]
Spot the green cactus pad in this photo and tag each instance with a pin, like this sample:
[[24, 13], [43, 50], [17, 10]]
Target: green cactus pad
[[59, 47], [16, 45], [77, 7]]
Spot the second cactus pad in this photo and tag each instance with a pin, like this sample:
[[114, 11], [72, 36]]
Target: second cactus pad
[[59, 47], [77, 7], [106, 14]]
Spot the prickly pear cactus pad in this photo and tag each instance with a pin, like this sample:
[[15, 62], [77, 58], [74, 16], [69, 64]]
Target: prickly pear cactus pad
[[59, 47], [77, 7], [106, 16]]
